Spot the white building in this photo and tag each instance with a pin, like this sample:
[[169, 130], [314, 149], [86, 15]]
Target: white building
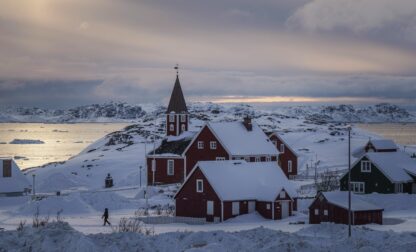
[[12, 181]]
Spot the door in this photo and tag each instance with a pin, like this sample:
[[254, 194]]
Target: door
[[285, 209], [251, 206], [210, 207]]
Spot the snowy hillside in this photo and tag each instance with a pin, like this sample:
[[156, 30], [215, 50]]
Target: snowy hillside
[[122, 112]]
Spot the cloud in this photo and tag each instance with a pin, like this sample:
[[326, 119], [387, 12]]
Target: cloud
[[378, 16]]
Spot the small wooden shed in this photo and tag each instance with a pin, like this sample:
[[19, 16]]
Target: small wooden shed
[[333, 207]]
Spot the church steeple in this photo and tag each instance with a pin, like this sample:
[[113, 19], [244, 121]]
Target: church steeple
[[177, 113]]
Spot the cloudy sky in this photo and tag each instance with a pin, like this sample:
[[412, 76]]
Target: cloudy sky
[[71, 52]]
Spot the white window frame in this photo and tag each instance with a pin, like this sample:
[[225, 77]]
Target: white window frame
[[282, 194], [326, 212], [268, 206], [282, 148], [289, 166], [316, 211], [200, 145], [268, 158], [358, 187], [213, 145], [170, 170], [220, 158], [257, 159], [235, 208], [199, 182], [365, 166], [183, 127], [171, 127], [171, 117], [183, 118]]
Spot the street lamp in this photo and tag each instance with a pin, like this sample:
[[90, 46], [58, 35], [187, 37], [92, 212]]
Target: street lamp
[[349, 180]]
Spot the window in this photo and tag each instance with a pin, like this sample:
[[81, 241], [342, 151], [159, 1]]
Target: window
[[171, 117], [282, 195], [170, 169], [199, 185], [220, 158], [358, 187], [365, 166], [316, 211], [326, 212], [282, 148], [183, 127], [200, 145], [268, 158], [171, 127], [7, 168], [257, 159], [398, 188], [289, 166], [236, 208], [183, 118], [213, 145], [268, 206]]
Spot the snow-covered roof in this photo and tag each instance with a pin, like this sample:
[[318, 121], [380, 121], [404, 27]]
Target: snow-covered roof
[[340, 198], [285, 141], [173, 146], [395, 165], [241, 180], [16, 183], [241, 142], [383, 144]]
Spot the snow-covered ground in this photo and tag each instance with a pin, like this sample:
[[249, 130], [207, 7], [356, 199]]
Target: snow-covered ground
[[320, 143]]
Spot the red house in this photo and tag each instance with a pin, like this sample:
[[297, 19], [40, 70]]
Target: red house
[[219, 190], [288, 159], [333, 207], [376, 145]]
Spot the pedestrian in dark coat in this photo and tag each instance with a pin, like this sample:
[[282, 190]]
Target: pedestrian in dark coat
[[105, 217]]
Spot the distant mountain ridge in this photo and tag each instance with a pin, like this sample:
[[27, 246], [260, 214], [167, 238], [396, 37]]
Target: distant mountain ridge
[[123, 112]]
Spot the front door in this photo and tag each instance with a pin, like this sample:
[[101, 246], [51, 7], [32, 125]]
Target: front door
[[251, 206], [285, 209]]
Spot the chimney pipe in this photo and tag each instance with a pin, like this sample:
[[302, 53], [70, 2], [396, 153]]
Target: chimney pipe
[[247, 123]]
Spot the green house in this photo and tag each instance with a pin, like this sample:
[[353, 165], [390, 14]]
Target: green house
[[382, 172]]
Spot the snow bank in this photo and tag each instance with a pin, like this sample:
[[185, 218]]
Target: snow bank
[[62, 237], [106, 199], [26, 141]]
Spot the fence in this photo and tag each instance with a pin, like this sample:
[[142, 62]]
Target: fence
[[175, 219]]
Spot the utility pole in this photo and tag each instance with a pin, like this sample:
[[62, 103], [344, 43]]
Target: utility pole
[[33, 184], [141, 176], [349, 181]]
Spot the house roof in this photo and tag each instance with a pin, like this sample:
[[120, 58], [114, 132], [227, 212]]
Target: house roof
[[395, 165], [240, 180], [173, 145], [340, 199], [383, 144], [177, 102], [239, 141], [16, 183]]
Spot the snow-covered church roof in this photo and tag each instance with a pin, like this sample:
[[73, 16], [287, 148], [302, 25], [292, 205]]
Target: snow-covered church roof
[[17, 182], [241, 180], [242, 142], [395, 165], [340, 199]]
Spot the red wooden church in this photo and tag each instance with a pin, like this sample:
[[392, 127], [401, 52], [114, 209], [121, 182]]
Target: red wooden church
[[221, 190], [179, 152]]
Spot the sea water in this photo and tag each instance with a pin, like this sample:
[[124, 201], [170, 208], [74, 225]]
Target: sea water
[[57, 142]]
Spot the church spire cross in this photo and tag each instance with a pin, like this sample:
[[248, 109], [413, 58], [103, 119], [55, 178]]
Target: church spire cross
[[177, 69]]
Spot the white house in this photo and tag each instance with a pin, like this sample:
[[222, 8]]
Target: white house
[[12, 180]]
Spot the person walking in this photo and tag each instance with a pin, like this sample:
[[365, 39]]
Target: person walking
[[105, 217]]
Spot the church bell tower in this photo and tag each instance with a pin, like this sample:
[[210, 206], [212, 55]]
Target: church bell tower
[[177, 116]]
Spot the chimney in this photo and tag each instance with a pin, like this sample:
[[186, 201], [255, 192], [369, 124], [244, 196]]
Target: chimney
[[247, 123]]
